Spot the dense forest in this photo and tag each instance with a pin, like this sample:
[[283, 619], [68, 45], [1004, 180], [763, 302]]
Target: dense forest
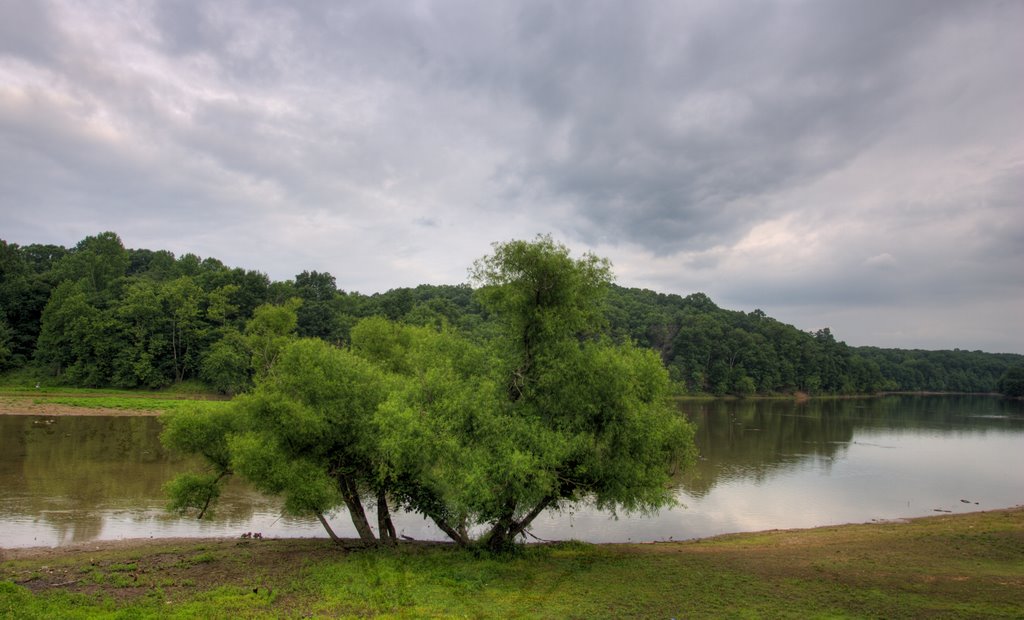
[[99, 314]]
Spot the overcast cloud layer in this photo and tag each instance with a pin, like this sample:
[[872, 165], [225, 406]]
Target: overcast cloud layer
[[858, 165]]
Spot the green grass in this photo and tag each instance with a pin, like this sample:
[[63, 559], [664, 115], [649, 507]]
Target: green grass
[[962, 566], [124, 400], [133, 403]]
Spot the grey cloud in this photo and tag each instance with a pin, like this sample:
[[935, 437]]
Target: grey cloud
[[996, 238], [820, 84], [288, 136], [184, 27], [26, 30], [884, 260], [249, 41]]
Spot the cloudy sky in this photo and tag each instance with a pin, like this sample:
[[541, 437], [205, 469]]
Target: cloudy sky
[[852, 164]]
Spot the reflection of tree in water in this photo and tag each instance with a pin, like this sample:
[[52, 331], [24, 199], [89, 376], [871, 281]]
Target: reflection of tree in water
[[72, 526], [967, 412], [755, 439], [73, 472]]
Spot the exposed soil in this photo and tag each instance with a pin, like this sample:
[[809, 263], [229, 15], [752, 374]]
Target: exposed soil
[[126, 569], [27, 405], [967, 562]]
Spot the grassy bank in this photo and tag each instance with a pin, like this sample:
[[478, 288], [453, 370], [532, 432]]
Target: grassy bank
[[969, 566]]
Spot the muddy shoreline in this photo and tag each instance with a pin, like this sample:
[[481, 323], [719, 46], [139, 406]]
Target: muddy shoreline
[[144, 545], [17, 405]]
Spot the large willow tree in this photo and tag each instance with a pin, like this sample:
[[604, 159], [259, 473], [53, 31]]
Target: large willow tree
[[584, 418], [477, 436], [547, 413]]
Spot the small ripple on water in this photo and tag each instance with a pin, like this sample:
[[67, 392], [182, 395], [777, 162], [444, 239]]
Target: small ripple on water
[[873, 445]]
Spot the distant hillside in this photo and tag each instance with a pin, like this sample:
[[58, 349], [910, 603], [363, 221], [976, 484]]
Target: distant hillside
[[717, 351], [941, 371], [99, 314]]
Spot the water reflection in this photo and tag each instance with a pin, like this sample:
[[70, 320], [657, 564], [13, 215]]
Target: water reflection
[[778, 464], [754, 440], [66, 479], [758, 439], [763, 464]]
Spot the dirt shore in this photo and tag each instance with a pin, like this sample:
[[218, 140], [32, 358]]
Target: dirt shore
[[76, 549], [965, 565], [144, 545], [27, 405]]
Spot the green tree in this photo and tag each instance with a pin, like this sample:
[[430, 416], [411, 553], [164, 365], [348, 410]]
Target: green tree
[[231, 363], [227, 364], [219, 308], [1012, 382], [5, 344], [305, 433], [42, 258], [440, 423], [204, 432], [181, 300], [25, 286], [468, 433], [142, 358], [317, 314], [268, 331], [158, 265], [584, 418], [547, 413], [97, 261], [66, 333]]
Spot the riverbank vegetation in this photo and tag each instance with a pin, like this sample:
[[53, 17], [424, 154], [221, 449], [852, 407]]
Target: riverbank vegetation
[[101, 315], [962, 566]]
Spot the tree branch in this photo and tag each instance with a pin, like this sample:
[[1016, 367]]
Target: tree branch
[[459, 537], [517, 528], [385, 527], [327, 526], [209, 496]]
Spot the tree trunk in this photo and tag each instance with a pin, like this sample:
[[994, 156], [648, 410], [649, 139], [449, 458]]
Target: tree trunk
[[350, 494], [503, 533], [209, 497], [384, 524], [174, 350], [499, 538], [327, 526], [525, 522], [459, 537]]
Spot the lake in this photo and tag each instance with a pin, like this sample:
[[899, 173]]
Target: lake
[[764, 464]]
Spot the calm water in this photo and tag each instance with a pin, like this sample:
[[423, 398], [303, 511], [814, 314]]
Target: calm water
[[763, 465]]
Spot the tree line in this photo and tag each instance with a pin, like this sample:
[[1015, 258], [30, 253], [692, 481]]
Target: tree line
[[99, 314], [711, 350]]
